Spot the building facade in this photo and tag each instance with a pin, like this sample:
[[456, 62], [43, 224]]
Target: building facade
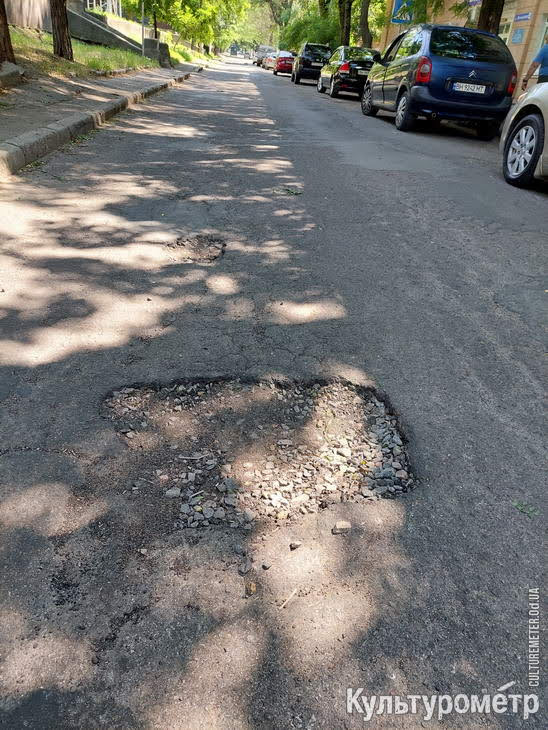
[[523, 26]]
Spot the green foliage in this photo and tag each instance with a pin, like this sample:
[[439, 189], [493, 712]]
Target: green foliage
[[377, 20], [203, 21], [256, 27], [307, 24]]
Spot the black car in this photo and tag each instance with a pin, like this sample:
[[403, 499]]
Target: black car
[[443, 72], [309, 61], [346, 70]]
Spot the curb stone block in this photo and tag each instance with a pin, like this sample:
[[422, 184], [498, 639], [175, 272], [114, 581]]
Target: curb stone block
[[78, 124], [115, 107], [153, 89], [62, 131], [11, 159], [38, 143]]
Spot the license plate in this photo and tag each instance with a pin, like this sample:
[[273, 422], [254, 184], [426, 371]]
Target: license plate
[[363, 73], [471, 88], [317, 64]]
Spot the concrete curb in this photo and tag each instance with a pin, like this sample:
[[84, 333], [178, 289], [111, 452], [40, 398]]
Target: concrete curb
[[17, 152]]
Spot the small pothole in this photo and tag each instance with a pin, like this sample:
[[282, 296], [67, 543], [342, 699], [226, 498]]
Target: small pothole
[[238, 453], [202, 247]]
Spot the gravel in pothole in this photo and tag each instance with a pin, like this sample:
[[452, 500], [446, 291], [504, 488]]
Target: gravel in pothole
[[238, 454], [202, 247]]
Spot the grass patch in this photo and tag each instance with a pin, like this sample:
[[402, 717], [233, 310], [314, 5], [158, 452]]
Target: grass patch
[[33, 51], [180, 54]]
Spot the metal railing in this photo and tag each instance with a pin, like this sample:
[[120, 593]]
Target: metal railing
[[107, 6]]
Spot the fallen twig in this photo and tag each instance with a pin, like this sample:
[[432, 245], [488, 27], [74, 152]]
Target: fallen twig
[[290, 596]]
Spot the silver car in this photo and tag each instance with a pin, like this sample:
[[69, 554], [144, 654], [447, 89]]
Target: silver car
[[523, 139]]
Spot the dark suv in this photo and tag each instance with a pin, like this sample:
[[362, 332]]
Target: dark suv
[[443, 72], [309, 61]]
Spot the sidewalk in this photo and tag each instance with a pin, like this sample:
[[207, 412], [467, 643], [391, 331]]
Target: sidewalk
[[49, 102]]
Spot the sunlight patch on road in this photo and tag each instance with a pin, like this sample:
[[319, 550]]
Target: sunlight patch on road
[[302, 312], [48, 509], [52, 662], [222, 284]]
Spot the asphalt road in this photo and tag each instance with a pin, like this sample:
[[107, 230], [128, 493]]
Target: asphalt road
[[403, 261]]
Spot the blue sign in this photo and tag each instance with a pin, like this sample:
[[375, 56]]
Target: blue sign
[[400, 13], [522, 16], [517, 35]]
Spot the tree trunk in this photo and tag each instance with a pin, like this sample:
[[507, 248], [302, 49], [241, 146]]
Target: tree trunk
[[155, 21], [490, 15], [62, 45], [6, 49], [345, 14], [365, 33]]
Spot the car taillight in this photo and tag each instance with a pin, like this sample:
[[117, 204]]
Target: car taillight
[[424, 70], [512, 83], [344, 68]]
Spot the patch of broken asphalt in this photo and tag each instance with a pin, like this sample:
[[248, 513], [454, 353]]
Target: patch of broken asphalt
[[253, 455]]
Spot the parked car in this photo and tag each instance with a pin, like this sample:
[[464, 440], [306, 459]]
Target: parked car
[[443, 72], [523, 139], [261, 53], [283, 63], [309, 61], [346, 70], [269, 61]]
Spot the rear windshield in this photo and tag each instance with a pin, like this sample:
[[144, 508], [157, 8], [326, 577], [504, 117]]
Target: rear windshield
[[468, 46], [356, 53], [316, 50]]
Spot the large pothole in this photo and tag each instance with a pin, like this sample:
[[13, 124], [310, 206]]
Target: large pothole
[[238, 454], [202, 247]]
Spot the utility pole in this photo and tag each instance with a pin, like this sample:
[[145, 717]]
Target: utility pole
[[142, 27]]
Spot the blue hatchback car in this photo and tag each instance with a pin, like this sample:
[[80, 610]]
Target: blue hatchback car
[[443, 72]]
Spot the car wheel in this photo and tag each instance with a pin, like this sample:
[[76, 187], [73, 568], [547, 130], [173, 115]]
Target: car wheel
[[333, 88], [274, 72], [297, 79], [404, 118], [487, 131], [522, 150], [367, 103], [320, 87]]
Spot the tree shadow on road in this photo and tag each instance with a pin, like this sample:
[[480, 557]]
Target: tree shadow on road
[[99, 634]]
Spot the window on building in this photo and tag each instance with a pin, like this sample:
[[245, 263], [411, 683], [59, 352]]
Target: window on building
[[504, 31]]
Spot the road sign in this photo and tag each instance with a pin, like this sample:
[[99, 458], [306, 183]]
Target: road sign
[[517, 35], [400, 14]]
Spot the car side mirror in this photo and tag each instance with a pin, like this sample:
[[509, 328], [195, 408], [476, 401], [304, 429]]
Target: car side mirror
[[377, 58]]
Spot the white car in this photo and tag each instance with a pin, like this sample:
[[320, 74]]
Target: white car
[[523, 138]]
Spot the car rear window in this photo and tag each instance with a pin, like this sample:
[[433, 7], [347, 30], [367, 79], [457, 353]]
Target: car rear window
[[317, 51], [356, 53], [468, 46]]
